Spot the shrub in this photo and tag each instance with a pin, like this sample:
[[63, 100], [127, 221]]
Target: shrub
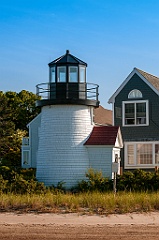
[[95, 182]]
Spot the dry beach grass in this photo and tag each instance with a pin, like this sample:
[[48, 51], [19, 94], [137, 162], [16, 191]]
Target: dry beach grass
[[95, 215], [86, 203]]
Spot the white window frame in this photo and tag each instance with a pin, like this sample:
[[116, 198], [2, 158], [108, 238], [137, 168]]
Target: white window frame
[[136, 165], [135, 93], [26, 164], [134, 102]]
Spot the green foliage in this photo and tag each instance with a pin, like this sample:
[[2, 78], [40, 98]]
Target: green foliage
[[95, 182], [16, 111], [138, 180]]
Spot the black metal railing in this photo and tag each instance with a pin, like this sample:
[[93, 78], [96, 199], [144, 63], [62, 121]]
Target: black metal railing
[[87, 91]]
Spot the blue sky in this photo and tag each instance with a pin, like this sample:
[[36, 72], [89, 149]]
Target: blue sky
[[112, 36]]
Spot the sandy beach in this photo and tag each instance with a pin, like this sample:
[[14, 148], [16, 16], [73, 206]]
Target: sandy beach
[[130, 226]]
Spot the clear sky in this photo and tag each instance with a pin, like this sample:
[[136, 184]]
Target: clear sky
[[111, 36]]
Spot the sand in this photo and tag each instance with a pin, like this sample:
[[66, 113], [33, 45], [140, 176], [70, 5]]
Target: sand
[[73, 226]]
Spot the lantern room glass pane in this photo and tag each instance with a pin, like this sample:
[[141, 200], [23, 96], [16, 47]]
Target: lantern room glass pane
[[73, 74], [52, 74], [61, 74], [82, 74]]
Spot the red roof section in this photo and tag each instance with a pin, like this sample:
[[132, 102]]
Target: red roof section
[[103, 135]]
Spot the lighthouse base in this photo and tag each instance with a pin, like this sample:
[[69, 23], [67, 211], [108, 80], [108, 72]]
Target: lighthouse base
[[61, 155]]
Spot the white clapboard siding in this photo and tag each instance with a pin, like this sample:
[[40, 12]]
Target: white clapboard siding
[[61, 154], [101, 159], [33, 137]]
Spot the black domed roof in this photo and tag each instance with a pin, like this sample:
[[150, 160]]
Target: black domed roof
[[67, 59]]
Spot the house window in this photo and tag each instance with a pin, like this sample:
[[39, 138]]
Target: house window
[[135, 94], [141, 154], [26, 157], [144, 153], [61, 74], [135, 113], [73, 74], [156, 153], [130, 154]]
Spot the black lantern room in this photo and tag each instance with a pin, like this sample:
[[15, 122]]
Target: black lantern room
[[67, 83]]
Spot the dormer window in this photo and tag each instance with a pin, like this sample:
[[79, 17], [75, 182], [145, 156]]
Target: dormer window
[[135, 94]]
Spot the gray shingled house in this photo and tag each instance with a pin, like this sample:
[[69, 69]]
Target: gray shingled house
[[135, 107]]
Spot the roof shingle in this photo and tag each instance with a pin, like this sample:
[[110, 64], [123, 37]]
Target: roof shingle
[[103, 135], [152, 79]]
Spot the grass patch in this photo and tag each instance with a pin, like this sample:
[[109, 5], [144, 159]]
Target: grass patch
[[85, 203]]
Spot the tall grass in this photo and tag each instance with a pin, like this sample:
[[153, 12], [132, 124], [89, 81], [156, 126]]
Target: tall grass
[[96, 202]]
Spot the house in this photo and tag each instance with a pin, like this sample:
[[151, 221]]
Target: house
[[136, 110], [103, 145], [62, 145]]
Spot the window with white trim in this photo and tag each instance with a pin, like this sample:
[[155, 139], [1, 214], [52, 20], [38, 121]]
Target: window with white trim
[[135, 113], [141, 154], [135, 93], [26, 157]]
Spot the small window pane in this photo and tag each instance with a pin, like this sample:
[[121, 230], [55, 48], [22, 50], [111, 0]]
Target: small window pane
[[73, 74], [129, 114], [144, 153], [156, 153], [140, 113], [82, 74], [135, 94], [26, 157], [53, 74], [61, 74], [130, 150]]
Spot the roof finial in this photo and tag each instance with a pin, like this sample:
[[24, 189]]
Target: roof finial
[[67, 51]]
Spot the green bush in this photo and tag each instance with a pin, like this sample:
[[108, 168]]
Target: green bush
[[138, 180], [95, 182]]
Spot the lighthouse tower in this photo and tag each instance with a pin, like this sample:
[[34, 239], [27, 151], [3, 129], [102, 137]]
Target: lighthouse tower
[[67, 103]]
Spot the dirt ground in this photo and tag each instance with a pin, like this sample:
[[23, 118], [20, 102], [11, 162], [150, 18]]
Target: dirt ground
[[73, 226]]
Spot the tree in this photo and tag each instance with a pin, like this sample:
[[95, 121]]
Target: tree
[[23, 107], [16, 111]]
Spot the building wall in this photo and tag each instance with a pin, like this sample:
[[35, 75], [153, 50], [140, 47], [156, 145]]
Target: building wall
[[101, 159], [34, 139], [61, 154], [140, 133]]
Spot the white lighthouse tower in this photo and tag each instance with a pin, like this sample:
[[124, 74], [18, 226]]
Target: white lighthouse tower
[[67, 103]]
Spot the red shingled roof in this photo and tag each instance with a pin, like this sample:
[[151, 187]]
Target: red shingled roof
[[103, 135]]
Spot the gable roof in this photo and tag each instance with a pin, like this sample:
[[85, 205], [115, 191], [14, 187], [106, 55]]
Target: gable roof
[[103, 116], [150, 80], [104, 135]]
